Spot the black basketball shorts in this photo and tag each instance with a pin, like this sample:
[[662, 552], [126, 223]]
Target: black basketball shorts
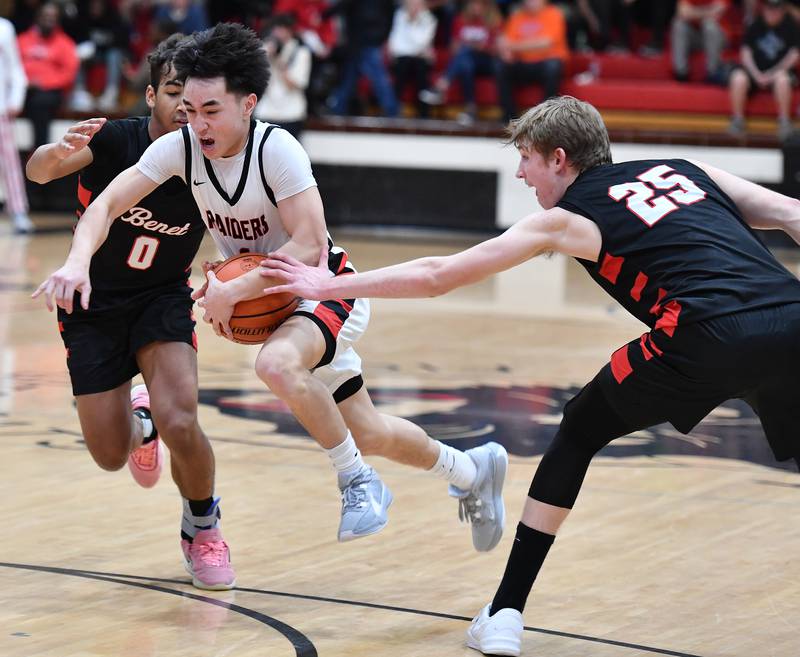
[[680, 378], [102, 345]]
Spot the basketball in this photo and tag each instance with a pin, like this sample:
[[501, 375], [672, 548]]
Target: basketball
[[254, 320]]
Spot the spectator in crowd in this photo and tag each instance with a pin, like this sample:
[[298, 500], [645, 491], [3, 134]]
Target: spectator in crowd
[[657, 15], [51, 64], [768, 55], [102, 37], [698, 23], [12, 97], [284, 101], [188, 16], [138, 77], [319, 33], [367, 24], [532, 48], [411, 47], [473, 41], [751, 9], [609, 23]]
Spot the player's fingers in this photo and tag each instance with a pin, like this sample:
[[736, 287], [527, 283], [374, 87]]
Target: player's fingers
[[283, 257], [278, 289], [39, 289], [226, 329], [48, 294], [200, 293], [278, 274], [270, 265], [86, 292], [60, 295], [68, 296]]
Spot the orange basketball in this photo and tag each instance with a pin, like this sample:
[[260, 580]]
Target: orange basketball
[[254, 320]]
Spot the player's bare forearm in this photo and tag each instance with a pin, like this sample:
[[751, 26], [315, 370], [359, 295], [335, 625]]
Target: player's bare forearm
[[42, 164], [66, 156], [247, 286], [90, 233]]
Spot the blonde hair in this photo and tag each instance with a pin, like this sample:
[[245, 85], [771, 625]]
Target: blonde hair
[[563, 122]]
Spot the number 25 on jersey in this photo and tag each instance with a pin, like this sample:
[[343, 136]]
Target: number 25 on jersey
[[639, 195]]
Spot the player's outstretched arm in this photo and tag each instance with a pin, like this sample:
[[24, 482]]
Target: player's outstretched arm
[[68, 155], [760, 207], [127, 189], [542, 232]]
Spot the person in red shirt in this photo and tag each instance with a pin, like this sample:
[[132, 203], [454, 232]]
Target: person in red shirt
[[698, 23], [474, 35], [532, 48], [51, 64]]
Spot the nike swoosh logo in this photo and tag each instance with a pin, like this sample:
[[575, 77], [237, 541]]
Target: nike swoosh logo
[[199, 183], [376, 506]]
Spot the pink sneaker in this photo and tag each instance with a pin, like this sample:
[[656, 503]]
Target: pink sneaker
[[146, 462], [208, 560]]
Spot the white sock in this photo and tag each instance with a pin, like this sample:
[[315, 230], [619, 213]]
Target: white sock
[[147, 425], [455, 466], [345, 457]]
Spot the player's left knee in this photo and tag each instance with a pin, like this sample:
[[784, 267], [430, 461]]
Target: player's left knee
[[179, 430]]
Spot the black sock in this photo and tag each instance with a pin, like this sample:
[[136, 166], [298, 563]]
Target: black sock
[[201, 507], [527, 556]]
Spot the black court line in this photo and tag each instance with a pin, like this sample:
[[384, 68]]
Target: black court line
[[372, 605], [301, 643]]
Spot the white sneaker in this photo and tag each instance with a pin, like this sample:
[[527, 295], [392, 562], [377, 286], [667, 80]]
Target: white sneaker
[[108, 101], [23, 224], [500, 634], [81, 101]]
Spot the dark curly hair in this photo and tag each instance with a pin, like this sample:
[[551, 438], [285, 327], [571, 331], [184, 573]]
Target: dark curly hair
[[227, 50], [160, 59]]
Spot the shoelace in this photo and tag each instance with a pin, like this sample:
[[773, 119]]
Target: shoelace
[[471, 509], [211, 553], [146, 456], [354, 496]]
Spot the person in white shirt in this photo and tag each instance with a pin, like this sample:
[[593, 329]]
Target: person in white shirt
[[253, 184], [411, 46], [285, 102], [13, 84]]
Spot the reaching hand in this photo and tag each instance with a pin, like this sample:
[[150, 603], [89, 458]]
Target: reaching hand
[[298, 278], [63, 284], [207, 267], [218, 307], [77, 137]]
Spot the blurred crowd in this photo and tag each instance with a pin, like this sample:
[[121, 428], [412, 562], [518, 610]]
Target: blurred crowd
[[393, 56]]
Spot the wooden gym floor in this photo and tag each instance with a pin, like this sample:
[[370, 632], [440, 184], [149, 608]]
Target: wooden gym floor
[[679, 545]]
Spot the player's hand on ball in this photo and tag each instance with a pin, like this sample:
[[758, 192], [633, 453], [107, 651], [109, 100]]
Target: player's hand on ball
[[218, 307], [207, 267], [298, 278], [62, 285]]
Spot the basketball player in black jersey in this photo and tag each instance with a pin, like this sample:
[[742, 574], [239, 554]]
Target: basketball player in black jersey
[[139, 319], [673, 242]]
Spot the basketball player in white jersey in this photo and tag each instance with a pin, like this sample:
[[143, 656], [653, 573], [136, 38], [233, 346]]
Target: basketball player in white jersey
[[253, 184]]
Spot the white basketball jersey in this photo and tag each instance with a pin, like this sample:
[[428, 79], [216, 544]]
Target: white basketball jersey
[[238, 195]]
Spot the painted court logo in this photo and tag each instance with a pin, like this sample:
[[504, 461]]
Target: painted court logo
[[523, 419]]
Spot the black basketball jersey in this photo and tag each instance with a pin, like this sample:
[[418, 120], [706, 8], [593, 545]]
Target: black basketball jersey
[[675, 247], [151, 245]]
